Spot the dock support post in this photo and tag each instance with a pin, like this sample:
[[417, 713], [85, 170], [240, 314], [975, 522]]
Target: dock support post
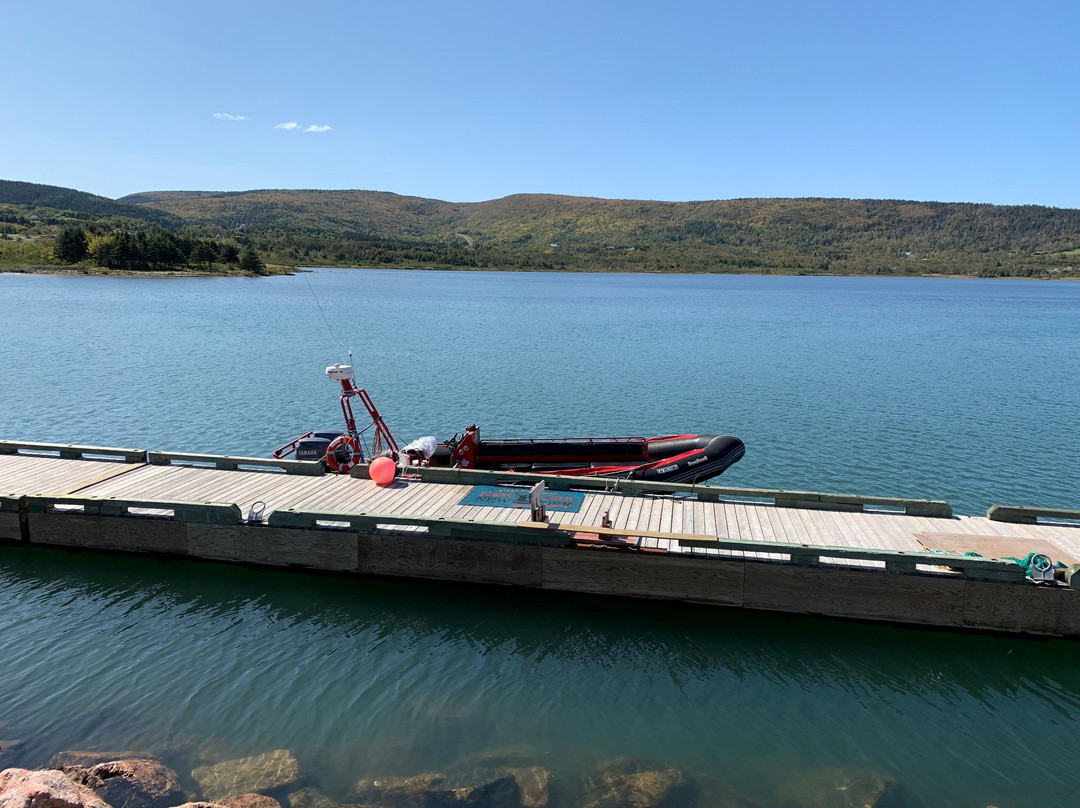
[[24, 521]]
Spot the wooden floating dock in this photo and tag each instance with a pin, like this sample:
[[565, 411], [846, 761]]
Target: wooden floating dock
[[869, 558]]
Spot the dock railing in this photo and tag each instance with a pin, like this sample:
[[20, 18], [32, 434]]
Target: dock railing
[[69, 451], [1030, 516], [310, 468], [220, 513]]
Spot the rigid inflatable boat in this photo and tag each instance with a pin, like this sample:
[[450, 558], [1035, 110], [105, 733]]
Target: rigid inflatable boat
[[669, 458]]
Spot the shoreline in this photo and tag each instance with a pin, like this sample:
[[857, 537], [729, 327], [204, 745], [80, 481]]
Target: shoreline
[[274, 270], [73, 271]]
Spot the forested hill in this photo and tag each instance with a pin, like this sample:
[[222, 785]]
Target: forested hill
[[536, 231], [49, 200]]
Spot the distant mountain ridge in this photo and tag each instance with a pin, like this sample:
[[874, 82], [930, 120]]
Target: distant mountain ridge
[[544, 231], [512, 220], [31, 195]]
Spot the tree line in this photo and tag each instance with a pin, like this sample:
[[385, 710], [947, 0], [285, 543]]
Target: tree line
[[154, 251]]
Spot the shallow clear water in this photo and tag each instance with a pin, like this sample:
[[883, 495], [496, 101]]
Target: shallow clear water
[[958, 390]]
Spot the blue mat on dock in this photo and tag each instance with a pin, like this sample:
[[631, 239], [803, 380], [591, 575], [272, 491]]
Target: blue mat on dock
[[501, 496]]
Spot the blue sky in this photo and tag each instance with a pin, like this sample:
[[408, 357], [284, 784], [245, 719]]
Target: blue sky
[[947, 101]]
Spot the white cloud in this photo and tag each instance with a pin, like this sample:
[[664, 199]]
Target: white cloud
[[225, 116], [290, 125], [314, 128]]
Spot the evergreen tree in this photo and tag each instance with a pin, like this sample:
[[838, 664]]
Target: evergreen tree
[[71, 246], [250, 262], [230, 254], [203, 253], [164, 252]]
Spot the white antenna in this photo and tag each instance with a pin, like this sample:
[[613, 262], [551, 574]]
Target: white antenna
[[333, 337]]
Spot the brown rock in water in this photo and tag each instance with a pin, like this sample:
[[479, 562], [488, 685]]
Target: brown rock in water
[[500, 793], [420, 791], [21, 788], [260, 773], [533, 781], [310, 798], [629, 783], [136, 783], [249, 801], [842, 788], [437, 791], [534, 784], [87, 758]]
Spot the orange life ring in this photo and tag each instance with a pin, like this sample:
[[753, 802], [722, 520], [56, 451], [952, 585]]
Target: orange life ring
[[343, 446]]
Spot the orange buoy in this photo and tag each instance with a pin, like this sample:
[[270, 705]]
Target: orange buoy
[[382, 470]]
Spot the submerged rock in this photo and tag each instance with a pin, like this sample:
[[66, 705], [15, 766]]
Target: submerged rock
[[310, 798], [419, 791], [87, 758], [534, 783], [842, 788], [10, 751], [434, 790], [628, 783], [501, 793], [249, 801], [258, 774], [136, 783], [49, 788]]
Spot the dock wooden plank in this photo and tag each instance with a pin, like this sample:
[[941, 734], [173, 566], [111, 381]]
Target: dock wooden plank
[[797, 518], [633, 516], [333, 489], [628, 511], [708, 520], [590, 509], [716, 512], [837, 533], [30, 474], [147, 482], [275, 490], [645, 519], [697, 523], [429, 499], [365, 496], [689, 517]]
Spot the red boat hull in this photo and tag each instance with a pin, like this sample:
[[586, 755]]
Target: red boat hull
[[671, 458]]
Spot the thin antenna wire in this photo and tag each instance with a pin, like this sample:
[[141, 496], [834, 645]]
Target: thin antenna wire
[[333, 337]]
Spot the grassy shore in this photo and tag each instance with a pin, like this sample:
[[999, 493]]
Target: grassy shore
[[221, 271]]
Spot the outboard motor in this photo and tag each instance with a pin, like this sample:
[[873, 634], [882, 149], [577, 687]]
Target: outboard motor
[[314, 447]]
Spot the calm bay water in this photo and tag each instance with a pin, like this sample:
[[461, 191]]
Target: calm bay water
[[959, 390]]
